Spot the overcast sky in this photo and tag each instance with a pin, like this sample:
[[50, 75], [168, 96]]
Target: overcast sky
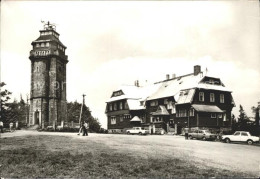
[[118, 42]]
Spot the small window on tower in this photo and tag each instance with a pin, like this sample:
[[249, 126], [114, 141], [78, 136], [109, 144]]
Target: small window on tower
[[37, 45], [42, 44], [47, 44]]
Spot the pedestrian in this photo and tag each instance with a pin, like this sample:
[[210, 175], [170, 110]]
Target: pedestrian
[[2, 126], [186, 133], [85, 129], [11, 126]]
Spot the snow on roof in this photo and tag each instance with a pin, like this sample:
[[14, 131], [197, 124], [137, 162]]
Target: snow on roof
[[134, 104], [161, 110], [135, 119], [174, 86], [167, 88], [186, 96], [206, 108]]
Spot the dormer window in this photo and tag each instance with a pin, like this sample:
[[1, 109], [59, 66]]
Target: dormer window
[[154, 103]]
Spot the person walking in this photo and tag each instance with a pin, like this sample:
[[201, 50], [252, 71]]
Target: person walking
[[186, 133], [1, 126], [85, 129], [11, 126]]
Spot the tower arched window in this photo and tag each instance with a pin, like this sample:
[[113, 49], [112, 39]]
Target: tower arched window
[[42, 44], [37, 45], [37, 69], [47, 44]]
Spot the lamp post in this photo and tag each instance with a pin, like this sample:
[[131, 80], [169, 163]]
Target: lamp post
[[83, 102]]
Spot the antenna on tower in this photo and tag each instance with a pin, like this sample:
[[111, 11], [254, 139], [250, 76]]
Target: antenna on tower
[[48, 25]]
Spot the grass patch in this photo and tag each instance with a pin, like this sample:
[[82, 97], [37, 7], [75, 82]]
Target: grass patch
[[59, 156]]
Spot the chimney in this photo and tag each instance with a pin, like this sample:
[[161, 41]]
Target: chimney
[[197, 70], [173, 75], [167, 77]]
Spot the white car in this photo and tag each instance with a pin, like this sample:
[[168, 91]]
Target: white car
[[240, 136], [137, 130]]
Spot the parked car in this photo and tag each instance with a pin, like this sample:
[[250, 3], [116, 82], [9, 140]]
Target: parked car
[[137, 130], [202, 134], [240, 136]]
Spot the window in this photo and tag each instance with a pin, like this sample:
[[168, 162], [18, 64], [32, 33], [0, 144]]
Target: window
[[221, 98], [47, 44], [186, 92], [37, 69], [110, 107], [121, 118], [165, 101], [113, 120], [37, 45], [237, 133], [126, 105], [154, 103], [244, 134], [191, 112], [42, 44], [120, 105], [212, 97], [115, 106], [127, 116], [220, 116], [201, 96], [213, 115], [182, 113]]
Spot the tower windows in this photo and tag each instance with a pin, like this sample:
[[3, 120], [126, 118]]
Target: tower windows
[[42, 44], [47, 44], [37, 45]]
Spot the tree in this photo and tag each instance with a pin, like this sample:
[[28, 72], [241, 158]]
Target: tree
[[255, 110], [5, 97], [73, 109], [242, 118]]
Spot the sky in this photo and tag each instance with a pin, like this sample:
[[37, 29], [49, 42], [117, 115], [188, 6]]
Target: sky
[[117, 42]]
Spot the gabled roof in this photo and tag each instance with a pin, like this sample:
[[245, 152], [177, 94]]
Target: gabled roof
[[174, 86], [161, 110], [135, 119]]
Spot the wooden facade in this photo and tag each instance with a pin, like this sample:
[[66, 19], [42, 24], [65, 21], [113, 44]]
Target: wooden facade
[[190, 101]]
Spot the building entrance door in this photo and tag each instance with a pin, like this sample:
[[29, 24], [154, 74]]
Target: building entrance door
[[36, 117]]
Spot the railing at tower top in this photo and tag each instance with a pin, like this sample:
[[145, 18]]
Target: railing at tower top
[[46, 53]]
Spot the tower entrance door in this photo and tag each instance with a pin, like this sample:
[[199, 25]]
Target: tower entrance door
[[36, 117]]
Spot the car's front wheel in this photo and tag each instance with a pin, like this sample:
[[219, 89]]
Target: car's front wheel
[[190, 137], [140, 133], [227, 140], [249, 142], [128, 133]]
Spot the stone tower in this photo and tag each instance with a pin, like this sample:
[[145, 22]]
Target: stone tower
[[48, 79]]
